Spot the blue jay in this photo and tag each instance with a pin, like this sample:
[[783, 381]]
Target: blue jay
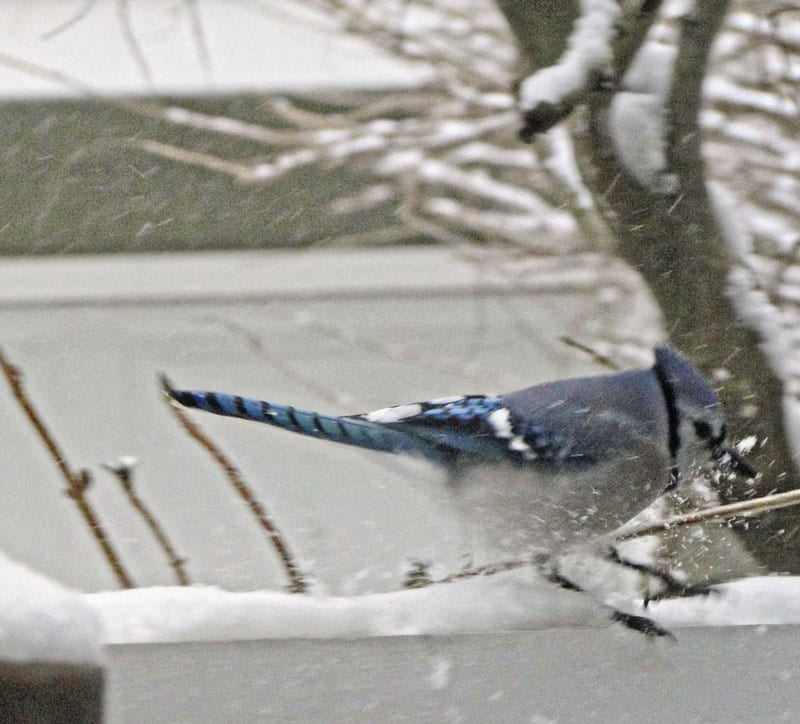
[[547, 466]]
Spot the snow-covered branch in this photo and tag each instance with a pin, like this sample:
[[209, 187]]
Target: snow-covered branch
[[550, 94]]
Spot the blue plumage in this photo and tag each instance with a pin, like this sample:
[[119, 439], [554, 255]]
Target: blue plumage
[[579, 456], [546, 466], [346, 430], [575, 423]]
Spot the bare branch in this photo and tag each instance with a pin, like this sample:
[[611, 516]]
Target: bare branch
[[123, 471], [742, 509], [79, 15], [297, 582], [124, 13], [77, 481]]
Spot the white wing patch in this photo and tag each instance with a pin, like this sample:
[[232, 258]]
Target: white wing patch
[[500, 420], [398, 413]]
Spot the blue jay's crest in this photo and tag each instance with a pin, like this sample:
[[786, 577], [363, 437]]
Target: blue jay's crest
[[684, 380], [668, 412]]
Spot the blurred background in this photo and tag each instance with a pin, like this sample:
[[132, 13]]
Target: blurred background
[[325, 204]]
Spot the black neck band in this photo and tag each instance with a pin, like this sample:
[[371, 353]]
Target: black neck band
[[673, 421]]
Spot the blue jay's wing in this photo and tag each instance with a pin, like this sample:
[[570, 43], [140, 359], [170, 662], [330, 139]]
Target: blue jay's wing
[[467, 424], [479, 426], [584, 421]]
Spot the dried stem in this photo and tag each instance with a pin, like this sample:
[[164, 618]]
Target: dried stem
[[124, 473], [297, 583], [490, 569], [743, 509], [77, 482]]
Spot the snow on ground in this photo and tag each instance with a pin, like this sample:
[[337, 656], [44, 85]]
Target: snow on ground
[[515, 600], [761, 600], [43, 621], [509, 601]]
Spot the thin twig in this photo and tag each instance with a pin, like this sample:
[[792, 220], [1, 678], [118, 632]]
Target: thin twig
[[743, 509], [598, 357], [199, 36], [490, 569], [69, 22], [418, 577], [123, 471], [126, 23], [297, 581], [77, 482]]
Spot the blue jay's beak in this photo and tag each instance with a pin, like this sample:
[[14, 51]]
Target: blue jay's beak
[[734, 459]]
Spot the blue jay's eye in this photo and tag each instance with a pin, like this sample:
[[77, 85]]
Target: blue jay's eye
[[703, 429], [705, 432]]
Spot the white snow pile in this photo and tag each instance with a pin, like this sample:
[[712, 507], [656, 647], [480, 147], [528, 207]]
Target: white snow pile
[[40, 620], [513, 600], [588, 49], [43, 621]]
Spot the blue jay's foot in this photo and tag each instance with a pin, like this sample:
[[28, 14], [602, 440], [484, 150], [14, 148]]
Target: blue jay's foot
[[636, 623], [642, 624], [418, 575], [671, 587], [675, 589], [555, 577]]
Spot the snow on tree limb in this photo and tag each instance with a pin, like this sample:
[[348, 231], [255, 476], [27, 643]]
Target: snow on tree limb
[[549, 94], [637, 122]]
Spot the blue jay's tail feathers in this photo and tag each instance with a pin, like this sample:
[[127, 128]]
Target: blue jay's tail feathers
[[436, 429], [348, 431]]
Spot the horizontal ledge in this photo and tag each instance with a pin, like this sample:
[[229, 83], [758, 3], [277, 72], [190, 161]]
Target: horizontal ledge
[[308, 274]]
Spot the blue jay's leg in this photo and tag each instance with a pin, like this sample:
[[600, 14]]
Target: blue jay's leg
[[642, 624], [672, 587]]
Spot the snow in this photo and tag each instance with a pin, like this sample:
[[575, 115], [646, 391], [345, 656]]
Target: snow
[[757, 601], [754, 303], [721, 90], [515, 600], [588, 49], [637, 116], [43, 621]]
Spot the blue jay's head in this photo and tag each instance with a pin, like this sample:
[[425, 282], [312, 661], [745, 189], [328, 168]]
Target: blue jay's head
[[697, 422]]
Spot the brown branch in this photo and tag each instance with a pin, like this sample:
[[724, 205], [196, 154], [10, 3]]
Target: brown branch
[[124, 473], [596, 356], [129, 36], [742, 509], [417, 576], [297, 582], [490, 569], [77, 482]]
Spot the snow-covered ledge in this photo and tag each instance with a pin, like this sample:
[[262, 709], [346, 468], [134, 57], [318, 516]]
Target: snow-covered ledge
[[51, 657]]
